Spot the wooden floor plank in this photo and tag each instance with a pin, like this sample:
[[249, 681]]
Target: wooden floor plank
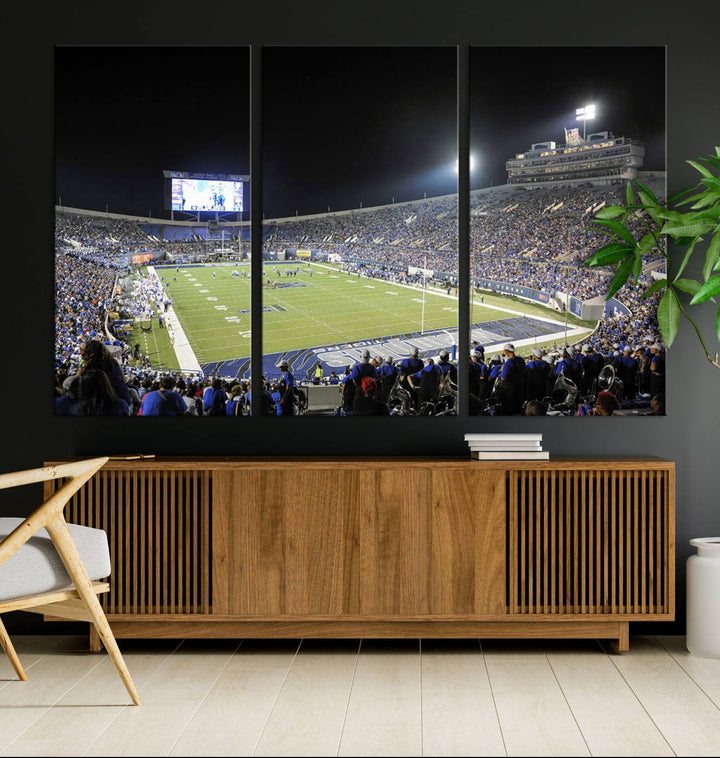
[[384, 712], [610, 717], [76, 721], [103, 685], [64, 731], [232, 717], [458, 710], [453, 665], [7, 672], [264, 654], [705, 672], [171, 697], [460, 722], [686, 716], [309, 714], [48, 680], [190, 672], [147, 730], [533, 714]]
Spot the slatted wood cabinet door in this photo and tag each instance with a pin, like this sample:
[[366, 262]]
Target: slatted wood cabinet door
[[591, 541], [159, 526]]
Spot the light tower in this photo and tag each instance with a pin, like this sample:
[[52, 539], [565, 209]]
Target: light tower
[[584, 114], [472, 164]]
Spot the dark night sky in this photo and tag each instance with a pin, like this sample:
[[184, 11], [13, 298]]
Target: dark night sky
[[341, 126]]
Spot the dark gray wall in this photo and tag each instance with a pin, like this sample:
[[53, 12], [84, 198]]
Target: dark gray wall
[[30, 434]]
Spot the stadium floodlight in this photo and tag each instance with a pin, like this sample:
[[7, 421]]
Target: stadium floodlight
[[457, 164], [584, 114]]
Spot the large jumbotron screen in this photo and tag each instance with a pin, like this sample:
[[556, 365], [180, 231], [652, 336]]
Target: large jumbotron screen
[[206, 195]]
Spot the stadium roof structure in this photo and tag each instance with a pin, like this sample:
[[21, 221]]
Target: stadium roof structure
[[602, 158]]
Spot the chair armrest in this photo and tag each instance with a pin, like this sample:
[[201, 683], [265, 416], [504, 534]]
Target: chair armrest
[[77, 473], [44, 474]]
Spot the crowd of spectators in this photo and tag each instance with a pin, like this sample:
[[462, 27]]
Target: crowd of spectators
[[102, 386]]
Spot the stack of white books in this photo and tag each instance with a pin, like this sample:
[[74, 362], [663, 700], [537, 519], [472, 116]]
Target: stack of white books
[[504, 447]]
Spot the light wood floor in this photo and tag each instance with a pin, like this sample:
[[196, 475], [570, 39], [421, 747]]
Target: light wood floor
[[353, 698]]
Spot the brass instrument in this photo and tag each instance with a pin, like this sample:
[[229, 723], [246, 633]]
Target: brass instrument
[[399, 401], [608, 381], [564, 395]]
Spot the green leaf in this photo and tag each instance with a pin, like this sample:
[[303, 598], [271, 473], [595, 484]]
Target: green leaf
[[609, 254], [708, 198], [688, 253], [668, 315], [658, 285], [617, 229], [652, 210], [687, 285], [672, 200], [712, 160], [682, 241], [624, 270], [637, 266], [711, 182], [711, 214], [699, 167], [646, 244], [648, 193], [717, 325], [697, 196], [717, 150], [687, 228], [712, 255], [629, 194], [708, 290], [610, 211]]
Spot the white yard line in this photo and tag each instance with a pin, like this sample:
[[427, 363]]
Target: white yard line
[[187, 360]]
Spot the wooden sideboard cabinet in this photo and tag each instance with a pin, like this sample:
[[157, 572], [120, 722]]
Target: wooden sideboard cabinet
[[384, 547]]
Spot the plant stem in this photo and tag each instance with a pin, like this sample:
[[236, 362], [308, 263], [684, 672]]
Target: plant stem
[[713, 361]]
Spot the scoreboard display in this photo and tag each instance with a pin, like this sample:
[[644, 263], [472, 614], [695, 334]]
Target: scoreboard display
[[206, 195]]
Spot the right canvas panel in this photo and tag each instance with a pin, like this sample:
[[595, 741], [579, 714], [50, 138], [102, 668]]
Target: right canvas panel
[[556, 135]]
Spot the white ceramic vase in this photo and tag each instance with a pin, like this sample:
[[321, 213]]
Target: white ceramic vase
[[702, 636]]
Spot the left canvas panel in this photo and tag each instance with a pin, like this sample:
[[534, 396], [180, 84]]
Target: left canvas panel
[[152, 229]]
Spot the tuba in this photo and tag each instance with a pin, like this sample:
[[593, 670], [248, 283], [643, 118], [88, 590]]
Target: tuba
[[608, 381], [564, 396], [447, 398], [399, 401]]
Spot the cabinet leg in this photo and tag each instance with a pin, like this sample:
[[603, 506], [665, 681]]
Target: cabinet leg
[[622, 643], [95, 643], [624, 638]]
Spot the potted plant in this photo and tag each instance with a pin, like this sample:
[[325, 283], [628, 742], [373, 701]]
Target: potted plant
[[640, 228]]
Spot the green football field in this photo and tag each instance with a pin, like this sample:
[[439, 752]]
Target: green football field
[[302, 311], [307, 310]]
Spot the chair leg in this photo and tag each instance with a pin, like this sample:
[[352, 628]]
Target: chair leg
[[7, 646], [70, 557]]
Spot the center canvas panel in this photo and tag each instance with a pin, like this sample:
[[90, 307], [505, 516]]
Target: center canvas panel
[[360, 258]]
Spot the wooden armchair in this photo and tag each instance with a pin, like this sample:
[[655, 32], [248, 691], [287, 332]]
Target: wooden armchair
[[48, 566]]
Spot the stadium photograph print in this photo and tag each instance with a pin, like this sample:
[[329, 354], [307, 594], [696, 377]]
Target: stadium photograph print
[[360, 258]]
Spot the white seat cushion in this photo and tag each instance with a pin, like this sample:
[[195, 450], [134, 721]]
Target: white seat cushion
[[36, 567]]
